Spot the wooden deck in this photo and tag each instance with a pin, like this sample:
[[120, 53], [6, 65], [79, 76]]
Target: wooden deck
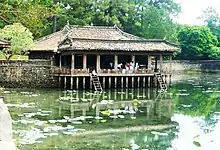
[[80, 78], [65, 72]]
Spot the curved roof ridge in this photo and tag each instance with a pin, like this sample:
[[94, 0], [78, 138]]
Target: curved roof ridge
[[86, 27]]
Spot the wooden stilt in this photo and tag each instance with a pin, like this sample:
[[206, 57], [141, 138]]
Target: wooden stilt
[[155, 81], [77, 83], [110, 82], [64, 82], [115, 94], [144, 82], [84, 82], [122, 82], [90, 84], [115, 82], [126, 82], [59, 81], [71, 83], [132, 82], [126, 92], [148, 82], [138, 80], [148, 93], [103, 82], [132, 95]]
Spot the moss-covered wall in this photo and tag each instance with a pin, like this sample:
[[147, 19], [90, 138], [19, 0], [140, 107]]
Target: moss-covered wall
[[32, 73]]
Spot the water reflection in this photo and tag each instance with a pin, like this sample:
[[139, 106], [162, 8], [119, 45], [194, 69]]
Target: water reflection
[[53, 115], [116, 103], [186, 117]]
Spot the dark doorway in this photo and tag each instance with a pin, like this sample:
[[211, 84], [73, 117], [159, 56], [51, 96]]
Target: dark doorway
[[78, 61], [142, 60], [91, 61], [105, 61], [124, 58], [66, 61]]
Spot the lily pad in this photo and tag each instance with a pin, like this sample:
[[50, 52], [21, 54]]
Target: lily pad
[[196, 143]]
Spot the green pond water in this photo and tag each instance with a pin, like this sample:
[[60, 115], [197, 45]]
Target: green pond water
[[185, 117]]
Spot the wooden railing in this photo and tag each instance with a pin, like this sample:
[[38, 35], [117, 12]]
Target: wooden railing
[[67, 71]]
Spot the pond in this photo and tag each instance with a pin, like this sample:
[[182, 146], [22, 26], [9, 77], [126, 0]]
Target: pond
[[185, 117]]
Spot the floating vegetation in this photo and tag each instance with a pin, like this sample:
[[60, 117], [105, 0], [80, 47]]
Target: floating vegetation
[[159, 133], [186, 106], [182, 94], [197, 143], [25, 105], [106, 102]]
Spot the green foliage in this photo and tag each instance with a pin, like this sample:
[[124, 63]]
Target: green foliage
[[212, 19], [214, 53], [20, 37], [196, 42], [158, 24], [33, 14]]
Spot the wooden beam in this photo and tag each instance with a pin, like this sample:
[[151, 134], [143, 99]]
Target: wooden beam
[[73, 62], [84, 61], [98, 63], [115, 59], [161, 63], [60, 63]]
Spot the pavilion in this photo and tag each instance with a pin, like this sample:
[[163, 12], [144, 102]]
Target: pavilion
[[75, 49]]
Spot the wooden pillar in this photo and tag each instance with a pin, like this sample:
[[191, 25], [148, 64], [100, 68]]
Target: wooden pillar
[[59, 80], [65, 82], [148, 82], [155, 69], [84, 82], [149, 63], [122, 84], [90, 84], [133, 58], [77, 83], [103, 82], [161, 63], [132, 82], [110, 82], [171, 61], [115, 59], [71, 83], [98, 63], [73, 64], [126, 82], [138, 80], [144, 82], [84, 61], [115, 82], [60, 63]]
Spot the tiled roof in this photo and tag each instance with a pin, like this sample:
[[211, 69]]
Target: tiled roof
[[120, 45], [99, 38]]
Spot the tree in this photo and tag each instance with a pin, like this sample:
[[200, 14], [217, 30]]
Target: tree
[[158, 24], [212, 20], [196, 42], [33, 14], [20, 37]]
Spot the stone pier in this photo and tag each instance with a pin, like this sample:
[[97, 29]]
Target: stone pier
[[6, 142]]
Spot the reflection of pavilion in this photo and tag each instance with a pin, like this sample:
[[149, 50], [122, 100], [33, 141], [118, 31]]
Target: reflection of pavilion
[[150, 107]]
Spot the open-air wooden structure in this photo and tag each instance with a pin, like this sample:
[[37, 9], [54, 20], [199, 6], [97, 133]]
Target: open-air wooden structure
[[75, 50], [4, 44]]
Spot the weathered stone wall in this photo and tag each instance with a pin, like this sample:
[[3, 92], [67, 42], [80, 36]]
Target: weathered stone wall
[[181, 65], [6, 142], [31, 73]]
